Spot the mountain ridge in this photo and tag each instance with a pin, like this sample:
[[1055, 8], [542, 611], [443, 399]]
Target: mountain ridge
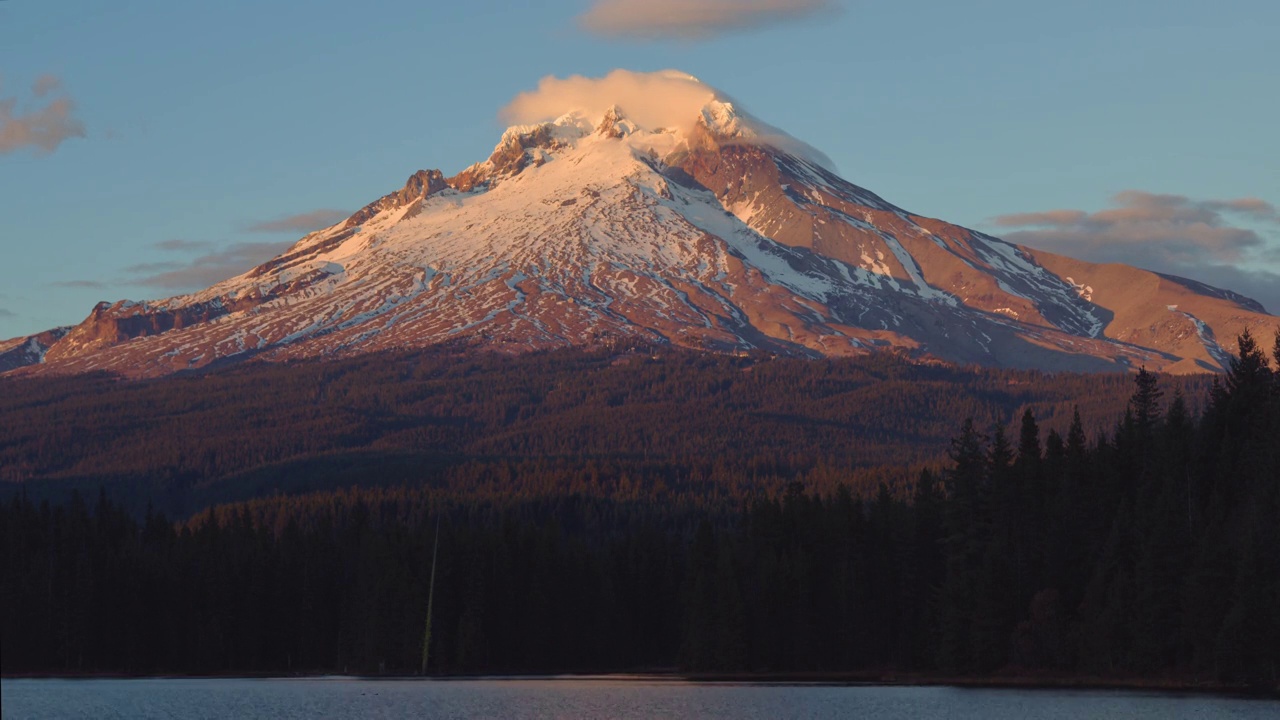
[[721, 234]]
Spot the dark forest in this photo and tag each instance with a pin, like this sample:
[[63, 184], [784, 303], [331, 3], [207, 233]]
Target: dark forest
[[571, 421], [706, 514]]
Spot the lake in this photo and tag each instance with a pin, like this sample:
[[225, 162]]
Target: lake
[[340, 698]]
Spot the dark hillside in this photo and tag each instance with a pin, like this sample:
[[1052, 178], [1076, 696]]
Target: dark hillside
[[539, 423]]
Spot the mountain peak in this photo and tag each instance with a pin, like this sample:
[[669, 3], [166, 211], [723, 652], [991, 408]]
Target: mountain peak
[[651, 207], [614, 124], [669, 103]]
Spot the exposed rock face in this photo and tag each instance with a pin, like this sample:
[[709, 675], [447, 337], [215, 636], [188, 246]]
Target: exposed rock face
[[591, 231], [111, 324], [420, 186], [30, 350], [614, 125]]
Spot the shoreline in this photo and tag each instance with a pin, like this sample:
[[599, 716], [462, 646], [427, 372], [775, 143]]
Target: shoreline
[[1007, 682]]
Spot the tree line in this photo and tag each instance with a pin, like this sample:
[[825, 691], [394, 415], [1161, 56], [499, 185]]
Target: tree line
[[1147, 550], [536, 424]]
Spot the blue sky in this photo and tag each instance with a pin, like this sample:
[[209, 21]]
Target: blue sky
[[180, 129]]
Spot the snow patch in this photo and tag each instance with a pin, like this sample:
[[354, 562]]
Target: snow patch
[[1205, 334]]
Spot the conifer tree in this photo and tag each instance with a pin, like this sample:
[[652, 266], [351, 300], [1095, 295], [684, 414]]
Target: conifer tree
[[1076, 439], [1145, 401], [966, 534], [1031, 508], [999, 593]]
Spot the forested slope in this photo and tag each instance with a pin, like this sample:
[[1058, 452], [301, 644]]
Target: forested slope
[[536, 424], [1147, 551]]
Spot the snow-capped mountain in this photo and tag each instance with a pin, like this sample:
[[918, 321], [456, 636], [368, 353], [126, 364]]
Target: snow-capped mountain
[[720, 233]]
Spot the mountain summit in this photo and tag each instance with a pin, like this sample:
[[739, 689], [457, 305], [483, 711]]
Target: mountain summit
[[649, 207]]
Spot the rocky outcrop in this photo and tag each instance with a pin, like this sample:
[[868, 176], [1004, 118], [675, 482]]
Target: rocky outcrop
[[519, 148], [30, 350], [111, 324], [420, 185], [614, 125]]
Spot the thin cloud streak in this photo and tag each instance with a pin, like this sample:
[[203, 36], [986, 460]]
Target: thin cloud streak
[[42, 129], [694, 19], [205, 270], [153, 267], [301, 223], [80, 284], [178, 245], [1172, 234]]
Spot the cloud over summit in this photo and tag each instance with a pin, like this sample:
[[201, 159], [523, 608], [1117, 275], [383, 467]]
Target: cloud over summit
[[653, 100], [694, 19], [666, 99]]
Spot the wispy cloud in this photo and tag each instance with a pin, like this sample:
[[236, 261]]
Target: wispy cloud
[[45, 84], [187, 265], [7, 313], [80, 284], [1199, 239], [301, 223], [147, 268], [41, 128], [694, 19], [178, 245], [204, 270]]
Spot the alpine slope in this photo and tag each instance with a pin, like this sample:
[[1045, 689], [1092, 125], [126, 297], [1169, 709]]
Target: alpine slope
[[623, 218]]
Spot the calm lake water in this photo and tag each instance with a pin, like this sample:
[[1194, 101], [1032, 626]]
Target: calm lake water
[[578, 698]]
